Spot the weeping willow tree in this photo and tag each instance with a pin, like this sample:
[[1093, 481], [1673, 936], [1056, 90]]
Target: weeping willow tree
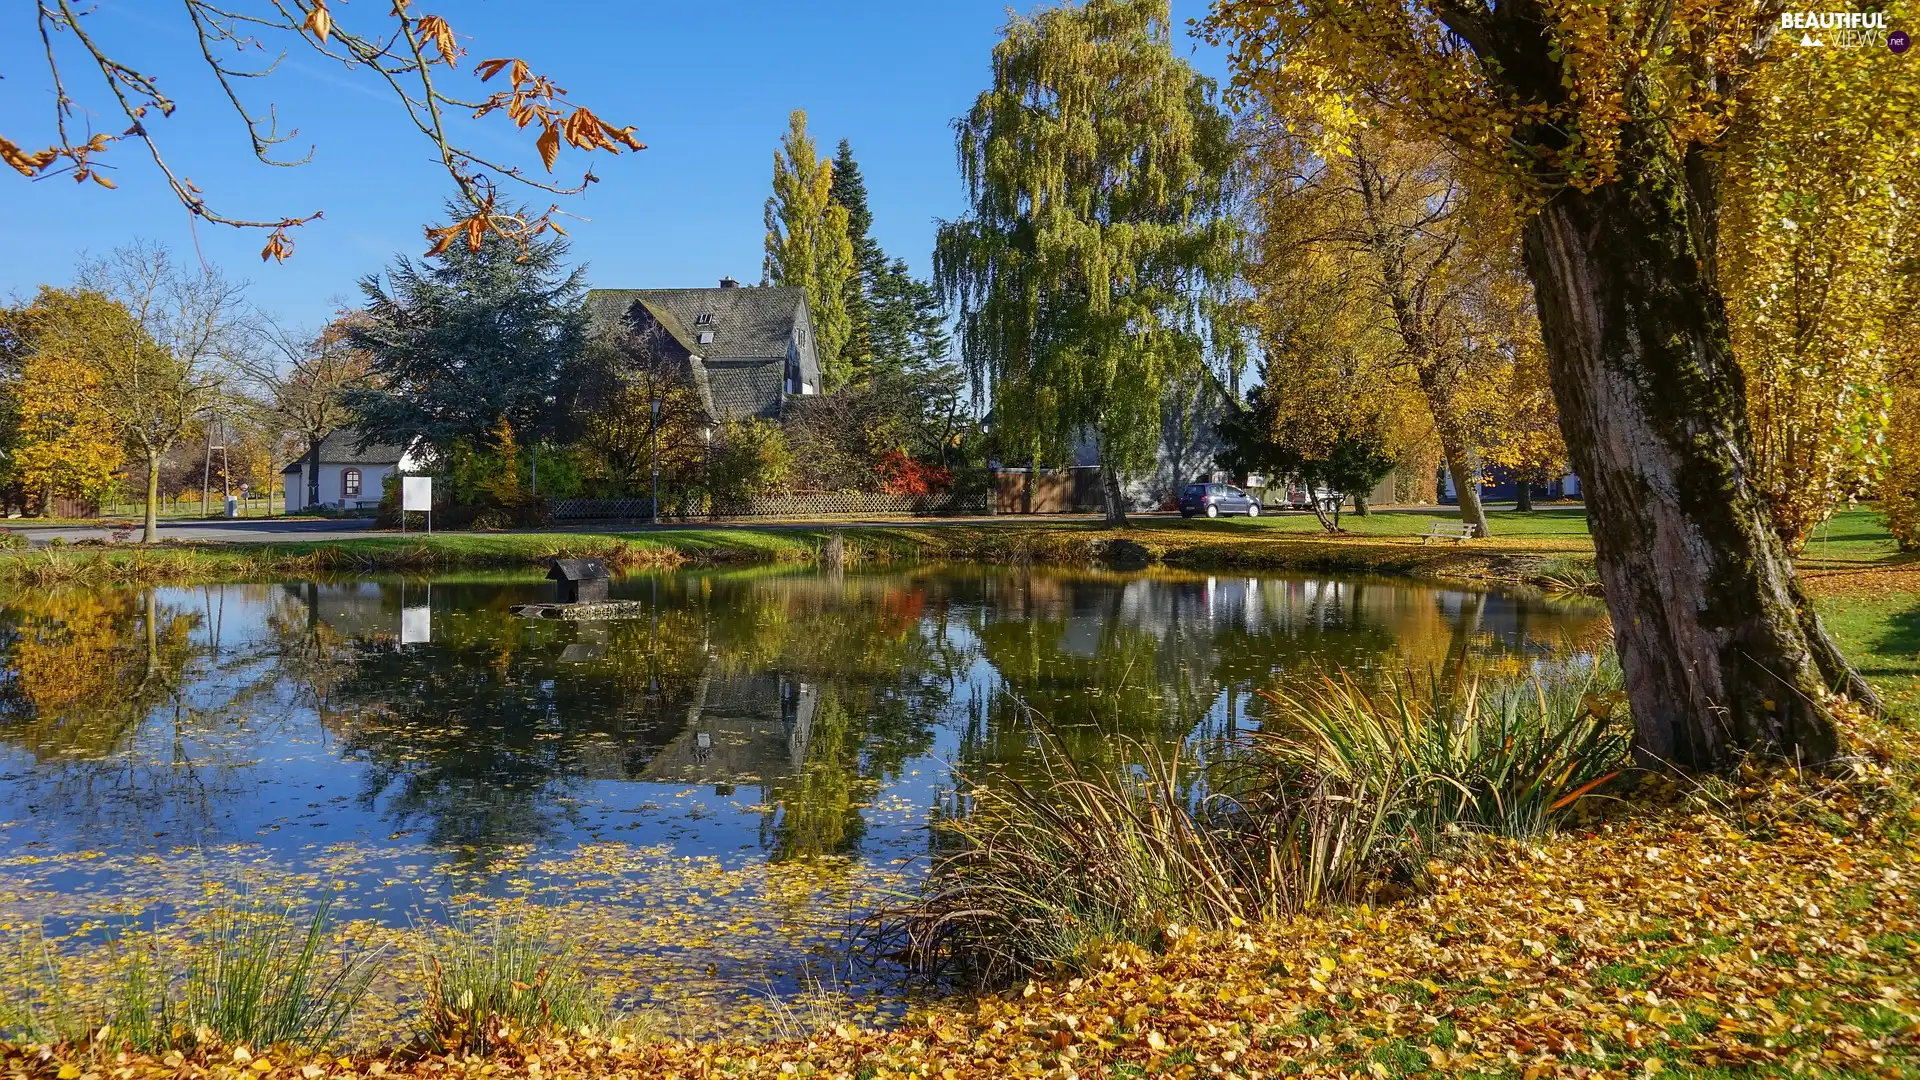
[[1092, 269]]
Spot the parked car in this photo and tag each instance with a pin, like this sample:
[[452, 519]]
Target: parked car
[[1301, 497], [1216, 499]]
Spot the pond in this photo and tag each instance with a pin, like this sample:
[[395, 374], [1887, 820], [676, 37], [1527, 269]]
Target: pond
[[707, 799]]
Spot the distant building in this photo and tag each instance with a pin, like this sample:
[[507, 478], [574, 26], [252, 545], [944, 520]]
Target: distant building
[[350, 479], [1499, 485], [748, 349], [1190, 416]]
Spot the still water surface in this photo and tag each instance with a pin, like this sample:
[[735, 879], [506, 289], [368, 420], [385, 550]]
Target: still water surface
[[707, 798]]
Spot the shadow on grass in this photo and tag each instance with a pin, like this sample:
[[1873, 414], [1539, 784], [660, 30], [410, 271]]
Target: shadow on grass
[[1898, 644]]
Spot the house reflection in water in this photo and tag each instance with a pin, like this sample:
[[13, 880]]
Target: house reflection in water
[[744, 729]]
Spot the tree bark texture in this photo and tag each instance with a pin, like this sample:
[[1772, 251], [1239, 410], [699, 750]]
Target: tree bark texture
[[1112, 496], [1464, 466], [150, 530], [1721, 653], [1523, 495]]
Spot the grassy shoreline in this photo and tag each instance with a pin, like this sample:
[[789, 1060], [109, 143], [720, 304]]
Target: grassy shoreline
[[1523, 549], [1549, 548]]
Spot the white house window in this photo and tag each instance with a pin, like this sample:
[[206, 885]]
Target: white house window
[[349, 483]]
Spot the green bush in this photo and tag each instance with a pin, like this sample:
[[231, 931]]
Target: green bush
[[752, 458]]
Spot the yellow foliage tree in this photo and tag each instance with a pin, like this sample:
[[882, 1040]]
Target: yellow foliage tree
[[1613, 123], [65, 443], [1428, 282], [1817, 210]]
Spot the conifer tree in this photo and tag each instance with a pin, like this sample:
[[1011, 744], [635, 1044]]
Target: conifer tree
[[1098, 236], [870, 263], [808, 245], [461, 341], [909, 326]]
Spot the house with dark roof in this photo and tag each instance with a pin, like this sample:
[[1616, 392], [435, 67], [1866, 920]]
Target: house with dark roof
[[749, 349], [350, 478]]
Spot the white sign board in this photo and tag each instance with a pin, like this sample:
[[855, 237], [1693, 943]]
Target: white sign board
[[416, 493]]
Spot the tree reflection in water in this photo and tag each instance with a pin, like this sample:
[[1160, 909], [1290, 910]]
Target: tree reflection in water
[[806, 698]]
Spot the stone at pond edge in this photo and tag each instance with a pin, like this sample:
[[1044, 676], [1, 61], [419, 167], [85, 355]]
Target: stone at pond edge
[[1126, 555]]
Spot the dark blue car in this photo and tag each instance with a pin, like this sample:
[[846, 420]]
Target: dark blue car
[[1216, 499]]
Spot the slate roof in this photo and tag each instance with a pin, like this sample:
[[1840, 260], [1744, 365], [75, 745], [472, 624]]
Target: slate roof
[[748, 322], [338, 449], [746, 388]]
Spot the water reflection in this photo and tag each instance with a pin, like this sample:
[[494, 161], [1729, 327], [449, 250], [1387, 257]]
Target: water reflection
[[408, 716]]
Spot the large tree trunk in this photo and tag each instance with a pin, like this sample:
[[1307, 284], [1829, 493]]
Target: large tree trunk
[[1464, 466], [1111, 495], [1523, 495], [1720, 651], [150, 530]]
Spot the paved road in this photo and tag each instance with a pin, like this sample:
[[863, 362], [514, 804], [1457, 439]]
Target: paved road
[[284, 530], [242, 530]]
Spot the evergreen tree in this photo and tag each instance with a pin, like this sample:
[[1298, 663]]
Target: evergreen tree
[[465, 339], [808, 245], [1099, 237], [909, 324], [850, 191]]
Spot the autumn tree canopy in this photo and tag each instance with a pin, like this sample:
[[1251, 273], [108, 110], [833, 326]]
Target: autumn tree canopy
[[1611, 125]]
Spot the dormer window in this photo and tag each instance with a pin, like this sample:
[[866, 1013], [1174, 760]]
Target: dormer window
[[703, 319]]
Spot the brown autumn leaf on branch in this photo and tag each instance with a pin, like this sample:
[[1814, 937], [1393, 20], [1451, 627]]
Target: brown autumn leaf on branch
[[404, 55]]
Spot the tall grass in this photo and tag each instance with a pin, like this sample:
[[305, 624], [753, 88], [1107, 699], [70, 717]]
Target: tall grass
[[491, 982], [250, 976], [1345, 793], [1499, 756], [264, 980]]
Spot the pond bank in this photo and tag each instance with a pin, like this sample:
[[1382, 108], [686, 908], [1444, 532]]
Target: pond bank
[[1212, 546]]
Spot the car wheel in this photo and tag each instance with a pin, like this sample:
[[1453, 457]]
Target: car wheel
[[1213, 511], [1253, 510], [1186, 513]]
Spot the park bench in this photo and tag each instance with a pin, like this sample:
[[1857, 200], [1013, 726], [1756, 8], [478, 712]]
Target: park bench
[[1455, 531]]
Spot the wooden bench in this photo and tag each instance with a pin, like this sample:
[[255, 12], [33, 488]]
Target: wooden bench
[[1455, 531]]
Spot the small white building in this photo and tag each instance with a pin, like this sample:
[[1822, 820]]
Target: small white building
[[350, 479]]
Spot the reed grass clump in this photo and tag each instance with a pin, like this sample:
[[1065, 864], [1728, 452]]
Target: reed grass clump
[[491, 982], [248, 976], [1343, 795]]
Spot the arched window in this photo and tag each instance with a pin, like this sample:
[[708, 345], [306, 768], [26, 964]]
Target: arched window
[[349, 483]]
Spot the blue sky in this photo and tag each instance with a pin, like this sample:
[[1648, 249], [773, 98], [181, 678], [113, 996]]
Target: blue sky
[[708, 85]]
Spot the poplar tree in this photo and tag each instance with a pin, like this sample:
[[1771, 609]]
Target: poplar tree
[[808, 245], [1085, 274]]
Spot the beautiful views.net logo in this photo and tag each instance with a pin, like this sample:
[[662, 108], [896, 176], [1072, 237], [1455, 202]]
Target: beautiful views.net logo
[[1844, 29]]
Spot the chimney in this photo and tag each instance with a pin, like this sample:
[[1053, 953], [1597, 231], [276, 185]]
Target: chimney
[[729, 283]]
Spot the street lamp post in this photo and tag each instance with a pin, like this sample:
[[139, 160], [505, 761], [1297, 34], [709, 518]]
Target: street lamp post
[[654, 434]]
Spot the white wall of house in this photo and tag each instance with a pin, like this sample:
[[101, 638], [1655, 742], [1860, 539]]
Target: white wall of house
[[333, 486]]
